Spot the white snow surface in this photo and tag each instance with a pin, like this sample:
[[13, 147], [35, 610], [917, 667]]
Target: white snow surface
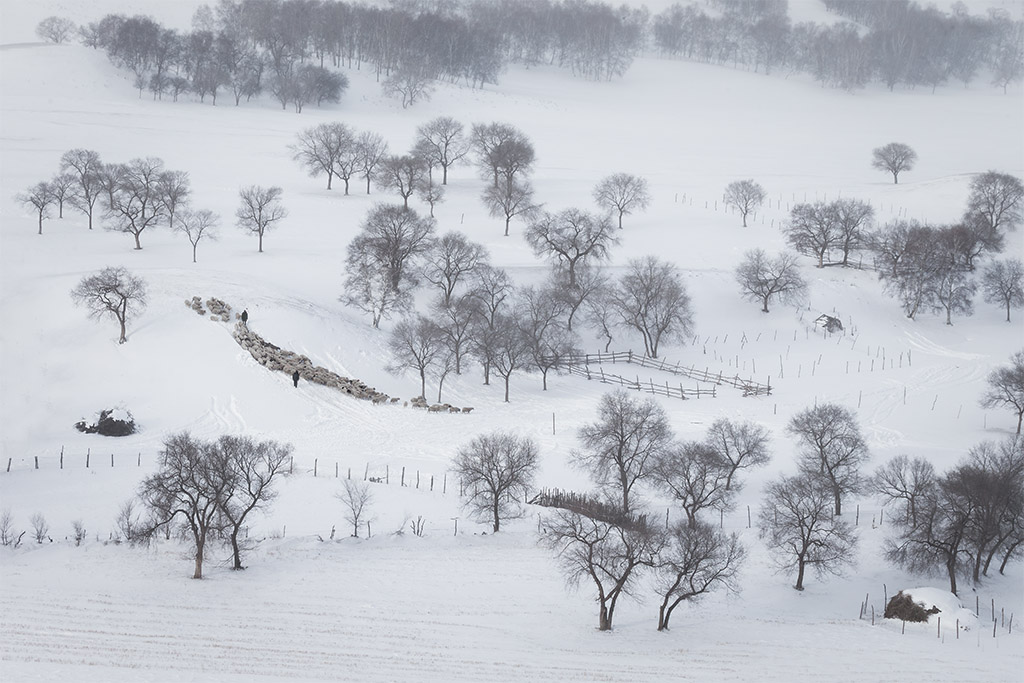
[[473, 606]]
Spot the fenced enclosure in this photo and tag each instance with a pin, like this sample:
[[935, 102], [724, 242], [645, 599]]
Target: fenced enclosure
[[580, 365]]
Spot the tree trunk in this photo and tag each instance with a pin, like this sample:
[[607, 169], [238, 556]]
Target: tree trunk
[[423, 384], [508, 219], [604, 620], [236, 553], [764, 305], [261, 241], [506, 386], [497, 518], [951, 570], [1006, 557], [194, 252], [200, 543], [800, 574], [330, 177], [620, 219], [838, 497], [138, 244], [346, 186], [41, 223], [444, 174], [544, 379]]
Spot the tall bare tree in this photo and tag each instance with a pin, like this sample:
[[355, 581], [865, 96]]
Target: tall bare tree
[[320, 149], [762, 278], [260, 210], [831, 446], [496, 470], [405, 174], [797, 524], [622, 448], [357, 498], [612, 554], [510, 199], [372, 150], [86, 166], [112, 292], [251, 468], [651, 299], [740, 445], [39, 198], [694, 476], [746, 196], [998, 198], [444, 143], [895, 158], [196, 225], [1006, 388], [696, 560], [904, 479], [571, 238], [452, 259], [1003, 283], [416, 344], [136, 196], [622, 193]]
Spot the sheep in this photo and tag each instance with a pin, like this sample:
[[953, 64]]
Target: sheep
[[467, 410]]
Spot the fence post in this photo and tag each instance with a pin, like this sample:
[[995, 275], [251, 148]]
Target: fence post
[[37, 462], [444, 484], [88, 452], [62, 457], [9, 464], [111, 459], [335, 470], [139, 463], [387, 474], [315, 462]]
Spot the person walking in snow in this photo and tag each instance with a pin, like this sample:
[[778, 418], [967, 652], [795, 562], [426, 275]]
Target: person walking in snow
[[245, 317], [295, 379]]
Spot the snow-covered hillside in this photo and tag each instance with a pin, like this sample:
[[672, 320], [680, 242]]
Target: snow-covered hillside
[[471, 606]]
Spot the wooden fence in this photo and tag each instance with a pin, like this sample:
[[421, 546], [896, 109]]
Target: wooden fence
[[583, 361]]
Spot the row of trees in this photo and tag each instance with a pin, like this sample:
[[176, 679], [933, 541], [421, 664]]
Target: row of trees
[[206, 490], [958, 522], [477, 312], [904, 43], [141, 194]]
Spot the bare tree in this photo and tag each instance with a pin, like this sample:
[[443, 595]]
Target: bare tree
[[571, 238], [623, 447], [507, 350], [1003, 283], [998, 198], [813, 230], [831, 446], [189, 483], [397, 239], [174, 191], [40, 527], [112, 292], [497, 471], [196, 225], [761, 279], [444, 143], [1006, 388], [40, 198], [251, 467], [321, 149], [852, 219], [651, 299], [895, 158], [502, 151], [455, 320], [260, 210], [799, 528], [508, 200], [86, 167], [433, 195], [904, 479], [451, 260], [63, 186], [548, 341], [55, 29], [590, 282], [622, 193], [694, 475], [136, 196], [746, 195], [357, 499], [740, 445], [372, 150], [610, 554], [406, 175], [952, 291], [696, 560], [410, 84], [368, 287], [416, 344]]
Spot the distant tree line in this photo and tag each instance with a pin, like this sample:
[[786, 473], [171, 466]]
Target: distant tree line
[[292, 49], [905, 43]]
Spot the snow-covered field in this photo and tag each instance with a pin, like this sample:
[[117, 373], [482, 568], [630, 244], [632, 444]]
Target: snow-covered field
[[472, 606]]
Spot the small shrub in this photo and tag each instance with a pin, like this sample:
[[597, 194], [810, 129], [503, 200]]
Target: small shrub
[[79, 530], [39, 527], [6, 531]]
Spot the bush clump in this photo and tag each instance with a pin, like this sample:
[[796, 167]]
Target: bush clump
[[111, 422], [902, 606]]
